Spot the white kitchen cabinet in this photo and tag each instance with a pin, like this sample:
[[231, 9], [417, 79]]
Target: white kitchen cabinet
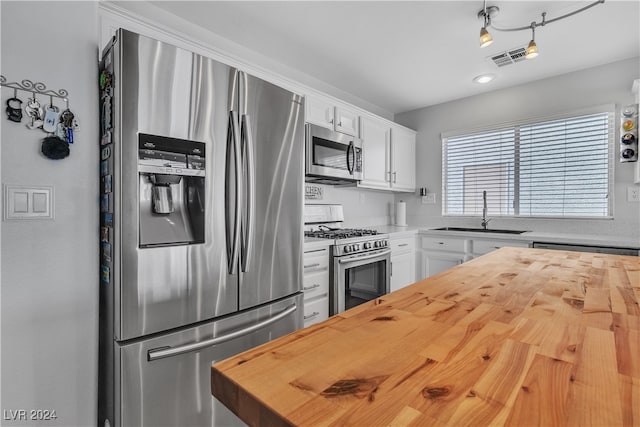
[[323, 112], [439, 253], [389, 159], [376, 141], [403, 262], [434, 263], [484, 246], [403, 159], [315, 284]]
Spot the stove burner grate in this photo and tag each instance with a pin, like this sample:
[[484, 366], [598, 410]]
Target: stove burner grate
[[343, 233]]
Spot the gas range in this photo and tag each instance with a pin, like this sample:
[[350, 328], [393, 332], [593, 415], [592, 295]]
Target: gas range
[[350, 241], [325, 222]]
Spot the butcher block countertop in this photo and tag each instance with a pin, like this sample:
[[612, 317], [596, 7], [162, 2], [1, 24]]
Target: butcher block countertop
[[516, 337]]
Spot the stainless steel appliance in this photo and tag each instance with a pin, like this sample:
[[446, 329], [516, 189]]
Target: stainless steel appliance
[[360, 258], [201, 235], [332, 157]]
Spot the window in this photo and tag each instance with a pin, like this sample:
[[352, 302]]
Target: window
[[556, 168]]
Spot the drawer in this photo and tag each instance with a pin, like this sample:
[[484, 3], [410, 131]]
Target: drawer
[[316, 261], [316, 311], [404, 244], [481, 247], [443, 244], [315, 284]]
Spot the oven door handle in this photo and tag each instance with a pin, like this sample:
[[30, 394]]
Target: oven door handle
[[365, 257]]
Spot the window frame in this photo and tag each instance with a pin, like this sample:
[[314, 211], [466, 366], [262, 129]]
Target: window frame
[[608, 109]]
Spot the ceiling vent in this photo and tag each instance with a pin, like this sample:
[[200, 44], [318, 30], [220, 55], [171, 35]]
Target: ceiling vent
[[508, 57]]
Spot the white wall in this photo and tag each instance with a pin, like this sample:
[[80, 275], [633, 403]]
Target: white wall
[[605, 84], [49, 281]]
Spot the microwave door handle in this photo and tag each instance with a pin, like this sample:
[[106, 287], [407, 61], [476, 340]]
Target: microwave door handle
[[233, 233], [162, 352], [350, 158], [249, 176]]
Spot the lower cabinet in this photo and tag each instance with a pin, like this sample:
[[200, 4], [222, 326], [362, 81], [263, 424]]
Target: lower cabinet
[[434, 263], [315, 285], [439, 253], [403, 262]]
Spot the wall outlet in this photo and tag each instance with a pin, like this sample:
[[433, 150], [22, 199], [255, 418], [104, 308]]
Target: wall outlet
[[633, 194], [429, 199]]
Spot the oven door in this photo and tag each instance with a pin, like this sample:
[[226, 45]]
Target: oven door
[[331, 154], [359, 278]]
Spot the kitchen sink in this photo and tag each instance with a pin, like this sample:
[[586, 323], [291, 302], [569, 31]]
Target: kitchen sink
[[481, 230]]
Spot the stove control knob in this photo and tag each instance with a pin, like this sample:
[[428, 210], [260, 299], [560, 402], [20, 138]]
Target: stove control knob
[[346, 249], [377, 244], [367, 245], [356, 247], [385, 243]]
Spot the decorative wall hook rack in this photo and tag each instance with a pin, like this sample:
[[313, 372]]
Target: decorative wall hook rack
[[37, 87]]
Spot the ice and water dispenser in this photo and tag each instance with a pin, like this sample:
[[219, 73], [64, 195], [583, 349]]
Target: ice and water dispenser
[[172, 191]]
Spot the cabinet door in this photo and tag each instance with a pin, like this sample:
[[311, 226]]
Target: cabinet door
[[316, 311], [402, 270], [403, 160], [375, 137], [434, 263], [347, 121], [319, 112]]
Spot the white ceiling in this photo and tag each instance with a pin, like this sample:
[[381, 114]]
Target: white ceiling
[[403, 55]]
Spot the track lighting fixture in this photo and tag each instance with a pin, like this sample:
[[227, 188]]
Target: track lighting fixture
[[532, 48], [488, 12]]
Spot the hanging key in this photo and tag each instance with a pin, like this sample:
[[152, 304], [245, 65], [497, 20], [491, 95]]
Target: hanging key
[[66, 118]]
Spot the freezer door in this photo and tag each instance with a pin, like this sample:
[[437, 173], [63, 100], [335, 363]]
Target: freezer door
[[272, 134], [166, 91], [165, 381]]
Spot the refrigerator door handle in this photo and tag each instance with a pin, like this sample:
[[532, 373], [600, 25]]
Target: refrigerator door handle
[[233, 235], [249, 211], [163, 352]]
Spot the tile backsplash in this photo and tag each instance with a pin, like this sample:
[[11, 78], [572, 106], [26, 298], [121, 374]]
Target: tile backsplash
[[362, 208]]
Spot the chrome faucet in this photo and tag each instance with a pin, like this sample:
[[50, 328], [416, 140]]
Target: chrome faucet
[[485, 221]]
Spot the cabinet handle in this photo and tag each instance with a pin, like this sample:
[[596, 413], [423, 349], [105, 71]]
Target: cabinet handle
[[394, 177], [317, 264], [308, 288], [403, 244], [312, 315], [314, 250], [388, 179], [340, 123], [331, 121]]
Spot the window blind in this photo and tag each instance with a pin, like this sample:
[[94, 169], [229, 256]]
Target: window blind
[[555, 168]]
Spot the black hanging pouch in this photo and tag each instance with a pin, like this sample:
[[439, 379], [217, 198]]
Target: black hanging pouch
[[14, 112], [55, 148]]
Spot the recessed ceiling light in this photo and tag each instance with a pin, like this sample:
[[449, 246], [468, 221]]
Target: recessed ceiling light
[[484, 78]]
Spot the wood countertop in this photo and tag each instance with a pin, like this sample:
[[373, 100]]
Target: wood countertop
[[516, 337]]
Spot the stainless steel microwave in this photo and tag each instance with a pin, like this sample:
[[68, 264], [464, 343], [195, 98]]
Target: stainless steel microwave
[[332, 157]]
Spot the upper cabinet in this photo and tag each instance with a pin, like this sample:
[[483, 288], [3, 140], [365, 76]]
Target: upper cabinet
[[389, 156], [323, 112], [376, 137], [403, 159]]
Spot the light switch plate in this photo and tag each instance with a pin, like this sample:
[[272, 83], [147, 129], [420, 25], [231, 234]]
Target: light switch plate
[[28, 202], [429, 199], [633, 194]]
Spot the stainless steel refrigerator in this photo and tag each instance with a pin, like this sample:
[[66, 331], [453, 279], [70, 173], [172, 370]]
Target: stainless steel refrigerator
[[201, 227]]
